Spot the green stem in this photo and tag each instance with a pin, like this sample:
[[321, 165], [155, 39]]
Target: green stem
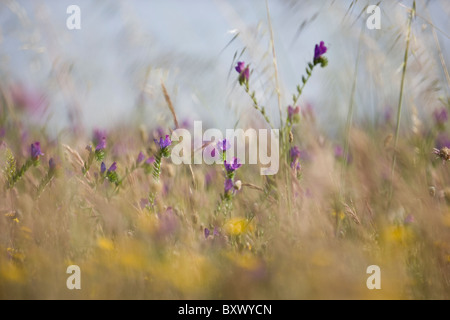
[[256, 105], [400, 102]]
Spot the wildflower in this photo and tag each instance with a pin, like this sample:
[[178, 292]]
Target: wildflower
[[296, 165], [293, 114], [244, 72], [101, 145], [295, 153], [319, 51], [234, 165], [409, 219], [98, 136], [164, 143], [102, 168], [224, 145], [113, 167], [237, 226], [207, 232], [36, 151], [338, 152], [228, 185], [140, 158], [52, 164], [442, 141], [440, 116], [443, 153], [28, 99], [51, 167]]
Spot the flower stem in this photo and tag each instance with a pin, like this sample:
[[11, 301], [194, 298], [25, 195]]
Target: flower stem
[[400, 101], [256, 105]]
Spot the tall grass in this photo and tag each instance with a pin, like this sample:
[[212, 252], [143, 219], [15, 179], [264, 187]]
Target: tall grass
[[176, 232]]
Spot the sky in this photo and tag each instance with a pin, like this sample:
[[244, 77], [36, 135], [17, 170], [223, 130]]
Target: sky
[[112, 68]]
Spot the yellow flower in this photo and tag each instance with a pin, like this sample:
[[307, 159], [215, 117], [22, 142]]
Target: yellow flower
[[398, 234], [105, 244], [237, 226], [446, 220], [341, 215]]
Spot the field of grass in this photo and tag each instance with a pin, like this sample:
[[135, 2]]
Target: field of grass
[[375, 191]]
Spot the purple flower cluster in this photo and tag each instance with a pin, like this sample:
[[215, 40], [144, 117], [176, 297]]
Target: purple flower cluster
[[228, 185], [233, 165], [295, 158], [224, 145], [207, 232], [319, 51], [101, 145], [244, 72], [112, 168], [164, 143], [98, 135], [36, 151]]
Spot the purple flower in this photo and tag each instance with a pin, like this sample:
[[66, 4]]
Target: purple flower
[[207, 232], [224, 145], [113, 167], [2, 132], [102, 168], [319, 51], [292, 112], [409, 219], [296, 165], [150, 160], [440, 116], [228, 185], [101, 145], [164, 143], [442, 141], [52, 164], [36, 151], [28, 99], [140, 158], [98, 136], [234, 165], [295, 153], [338, 152], [244, 72]]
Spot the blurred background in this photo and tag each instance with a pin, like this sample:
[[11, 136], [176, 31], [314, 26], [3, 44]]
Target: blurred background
[[110, 71]]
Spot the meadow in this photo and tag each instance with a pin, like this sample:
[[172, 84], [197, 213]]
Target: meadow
[[365, 191]]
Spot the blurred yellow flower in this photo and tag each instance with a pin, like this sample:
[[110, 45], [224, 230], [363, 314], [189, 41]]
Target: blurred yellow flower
[[105, 244], [245, 260], [446, 220], [11, 272], [341, 215], [398, 234], [237, 226]]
